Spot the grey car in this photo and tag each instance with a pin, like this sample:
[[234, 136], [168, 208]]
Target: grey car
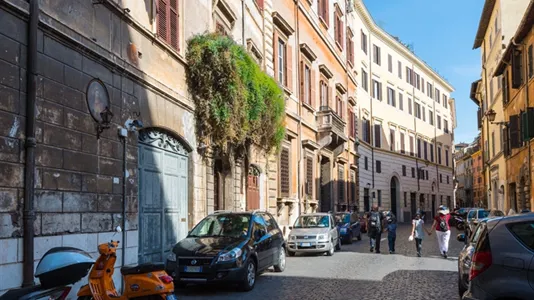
[[314, 233], [502, 266]]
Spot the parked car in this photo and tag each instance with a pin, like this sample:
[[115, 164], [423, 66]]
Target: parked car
[[349, 228], [465, 256], [230, 247], [315, 233], [477, 214], [503, 260]]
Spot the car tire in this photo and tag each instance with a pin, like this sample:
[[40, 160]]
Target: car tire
[[461, 289], [338, 245], [331, 251], [281, 266], [249, 280]]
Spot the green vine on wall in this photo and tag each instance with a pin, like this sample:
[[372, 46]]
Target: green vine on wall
[[236, 104]]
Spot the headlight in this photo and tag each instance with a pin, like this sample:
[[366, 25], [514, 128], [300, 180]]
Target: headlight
[[343, 230], [230, 255], [292, 237], [171, 256], [321, 237]]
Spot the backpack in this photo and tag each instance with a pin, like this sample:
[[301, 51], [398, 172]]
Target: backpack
[[374, 220], [443, 224]]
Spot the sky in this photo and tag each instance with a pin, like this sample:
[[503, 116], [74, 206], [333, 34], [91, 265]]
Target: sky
[[442, 34]]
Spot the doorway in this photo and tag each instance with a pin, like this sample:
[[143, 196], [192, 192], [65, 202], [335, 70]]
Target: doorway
[[326, 185], [394, 197], [513, 200], [413, 204], [366, 202]]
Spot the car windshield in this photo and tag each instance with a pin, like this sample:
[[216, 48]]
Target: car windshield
[[342, 218], [483, 214], [234, 225], [496, 213], [471, 214], [312, 221]]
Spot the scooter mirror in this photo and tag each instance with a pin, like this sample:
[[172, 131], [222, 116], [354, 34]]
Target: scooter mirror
[[118, 229]]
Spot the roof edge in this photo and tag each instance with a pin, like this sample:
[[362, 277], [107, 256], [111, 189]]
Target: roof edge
[[485, 17]]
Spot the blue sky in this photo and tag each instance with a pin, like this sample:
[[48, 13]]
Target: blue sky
[[442, 33]]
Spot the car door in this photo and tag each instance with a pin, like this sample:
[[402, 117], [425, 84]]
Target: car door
[[334, 230], [262, 242], [276, 237]]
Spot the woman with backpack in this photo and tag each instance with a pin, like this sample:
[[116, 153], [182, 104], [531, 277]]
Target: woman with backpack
[[443, 231]]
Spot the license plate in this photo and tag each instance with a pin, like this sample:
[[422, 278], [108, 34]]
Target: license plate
[[191, 269], [305, 244], [171, 297]]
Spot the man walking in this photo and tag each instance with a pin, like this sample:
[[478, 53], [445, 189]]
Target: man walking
[[375, 227]]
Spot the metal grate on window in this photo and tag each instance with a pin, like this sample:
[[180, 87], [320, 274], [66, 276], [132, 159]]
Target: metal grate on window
[[309, 176], [284, 171], [341, 183]]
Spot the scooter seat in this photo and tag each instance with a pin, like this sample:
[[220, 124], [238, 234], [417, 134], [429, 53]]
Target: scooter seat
[[142, 268]]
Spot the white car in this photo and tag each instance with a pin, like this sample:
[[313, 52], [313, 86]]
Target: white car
[[315, 233]]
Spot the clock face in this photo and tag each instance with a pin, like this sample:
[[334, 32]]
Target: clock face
[[97, 99]]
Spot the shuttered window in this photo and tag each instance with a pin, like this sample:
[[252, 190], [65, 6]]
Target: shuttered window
[[378, 166], [514, 132], [505, 91], [284, 172], [403, 170], [505, 141], [530, 62], [341, 183], [517, 72], [353, 193], [392, 139], [352, 124], [338, 28], [323, 10], [378, 135], [402, 143], [168, 22], [350, 47], [309, 176]]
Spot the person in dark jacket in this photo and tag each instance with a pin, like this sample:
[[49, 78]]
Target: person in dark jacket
[[392, 231], [375, 228]]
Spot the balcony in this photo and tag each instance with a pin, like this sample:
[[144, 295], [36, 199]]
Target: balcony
[[331, 128]]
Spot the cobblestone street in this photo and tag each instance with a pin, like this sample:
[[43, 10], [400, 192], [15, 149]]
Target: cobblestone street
[[355, 273]]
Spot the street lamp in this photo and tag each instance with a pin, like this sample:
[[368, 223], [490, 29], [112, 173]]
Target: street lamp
[[491, 114]]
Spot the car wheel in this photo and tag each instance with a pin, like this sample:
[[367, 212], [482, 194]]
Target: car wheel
[[330, 251], [461, 289], [281, 266], [250, 276], [338, 245]]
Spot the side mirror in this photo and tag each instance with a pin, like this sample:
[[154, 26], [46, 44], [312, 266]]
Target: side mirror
[[461, 237]]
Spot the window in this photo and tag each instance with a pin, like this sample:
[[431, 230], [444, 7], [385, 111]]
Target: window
[[424, 114], [282, 62], [411, 146], [352, 124], [448, 179], [440, 178], [339, 106], [530, 62], [306, 83], [431, 117], [168, 21], [379, 193], [422, 85], [426, 172], [390, 63], [425, 149], [403, 170], [445, 126], [524, 232], [493, 143], [338, 28], [417, 110], [365, 81], [341, 183], [409, 78], [219, 28], [439, 122], [378, 166], [417, 81], [392, 139], [491, 88], [377, 90], [413, 172], [401, 104], [505, 92], [309, 176], [366, 128], [399, 65], [447, 157], [437, 95], [391, 97], [439, 155], [410, 111], [431, 152], [323, 11], [429, 90], [445, 101], [269, 222], [402, 143], [419, 150], [364, 42], [323, 90], [378, 136], [350, 47], [284, 172], [366, 163], [376, 55]]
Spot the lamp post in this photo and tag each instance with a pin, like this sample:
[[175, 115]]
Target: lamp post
[[491, 114]]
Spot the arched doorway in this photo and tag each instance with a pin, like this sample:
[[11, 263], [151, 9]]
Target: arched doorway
[[394, 195], [163, 193]]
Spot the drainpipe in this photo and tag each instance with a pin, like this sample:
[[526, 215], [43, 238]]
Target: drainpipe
[[243, 25], [371, 122], [124, 178], [299, 168], [485, 162], [30, 144], [348, 188]]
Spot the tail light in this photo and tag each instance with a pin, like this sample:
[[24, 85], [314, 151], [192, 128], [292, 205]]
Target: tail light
[[60, 295], [482, 259], [166, 279]]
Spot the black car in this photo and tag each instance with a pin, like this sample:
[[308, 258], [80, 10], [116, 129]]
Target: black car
[[229, 247]]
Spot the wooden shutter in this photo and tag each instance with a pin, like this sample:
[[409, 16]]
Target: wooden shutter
[[163, 19], [515, 139], [284, 172], [309, 176], [289, 67], [174, 26], [530, 62], [505, 141], [168, 22], [275, 50], [312, 88], [260, 4], [341, 32], [302, 81], [517, 69], [505, 91], [327, 12], [341, 183], [378, 134]]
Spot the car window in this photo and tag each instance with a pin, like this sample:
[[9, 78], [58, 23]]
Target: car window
[[343, 218], [476, 235], [496, 213], [471, 214], [332, 223], [258, 223], [524, 232], [483, 214], [234, 225], [307, 221], [269, 221]]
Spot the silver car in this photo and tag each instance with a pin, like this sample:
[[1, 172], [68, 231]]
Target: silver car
[[314, 233]]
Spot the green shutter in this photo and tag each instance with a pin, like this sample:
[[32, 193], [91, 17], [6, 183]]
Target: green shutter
[[530, 122]]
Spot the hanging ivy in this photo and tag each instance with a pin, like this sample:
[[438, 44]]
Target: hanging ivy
[[236, 104]]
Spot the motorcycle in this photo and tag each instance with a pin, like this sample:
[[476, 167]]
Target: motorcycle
[[57, 270], [460, 223], [144, 281]]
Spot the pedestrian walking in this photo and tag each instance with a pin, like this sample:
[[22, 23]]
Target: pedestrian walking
[[392, 231], [418, 233], [375, 228], [443, 230]]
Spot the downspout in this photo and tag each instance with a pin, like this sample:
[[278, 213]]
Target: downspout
[[124, 178], [436, 141], [299, 167], [415, 130], [29, 145], [371, 122], [243, 24], [347, 188], [485, 162]]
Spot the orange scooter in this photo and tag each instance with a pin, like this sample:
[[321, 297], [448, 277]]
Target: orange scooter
[[144, 281]]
